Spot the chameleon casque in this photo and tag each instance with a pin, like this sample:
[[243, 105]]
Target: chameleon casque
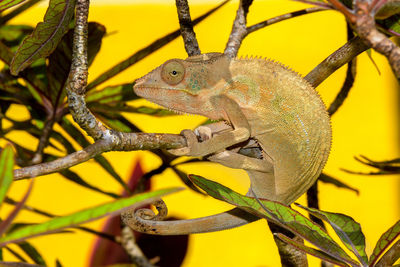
[[265, 105]]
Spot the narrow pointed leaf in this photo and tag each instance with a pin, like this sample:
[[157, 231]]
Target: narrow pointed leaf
[[18, 10], [331, 180], [112, 94], [6, 171], [384, 242], [46, 36], [59, 223], [278, 213], [184, 178], [80, 138], [139, 55], [60, 60], [32, 252], [312, 251], [72, 176], [348, 230], [17, 264], [4, 4], [5, 225]]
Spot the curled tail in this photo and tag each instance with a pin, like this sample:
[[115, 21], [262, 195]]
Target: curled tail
[[142, 221]]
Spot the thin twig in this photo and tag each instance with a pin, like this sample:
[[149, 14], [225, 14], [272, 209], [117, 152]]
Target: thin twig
[[128, 242], [239, 29], [280, 18], [337, 59], [185, 22], [129, 142], [343, 9], [349, 80]]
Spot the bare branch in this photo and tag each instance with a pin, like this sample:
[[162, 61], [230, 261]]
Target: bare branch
[[127, 142], [280, 18], [366, 29], [334, 61], [239, 29], [349, 80], [128, 242], [63, 163], [185, 22]]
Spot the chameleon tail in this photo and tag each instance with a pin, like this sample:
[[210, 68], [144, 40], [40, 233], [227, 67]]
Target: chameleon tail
[[145, 221]]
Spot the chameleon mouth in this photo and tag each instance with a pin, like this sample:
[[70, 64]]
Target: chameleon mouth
[[153, 95]]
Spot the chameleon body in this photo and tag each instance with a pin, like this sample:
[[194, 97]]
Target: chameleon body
[[262, 101]]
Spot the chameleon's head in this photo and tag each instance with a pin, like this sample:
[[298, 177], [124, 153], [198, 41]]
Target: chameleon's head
[[183, 85]]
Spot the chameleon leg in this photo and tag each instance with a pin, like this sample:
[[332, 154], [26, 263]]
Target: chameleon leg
[[237, 161], [241, 132]]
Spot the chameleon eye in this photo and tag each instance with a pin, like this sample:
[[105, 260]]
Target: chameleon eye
[[172, 72]]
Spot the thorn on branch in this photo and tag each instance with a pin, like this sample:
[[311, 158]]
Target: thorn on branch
[[186, 26]]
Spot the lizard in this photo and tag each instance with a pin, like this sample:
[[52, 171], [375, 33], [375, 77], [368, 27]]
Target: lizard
[[264, 103]]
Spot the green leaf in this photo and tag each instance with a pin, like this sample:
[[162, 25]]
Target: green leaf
[[112, 94], [17, 264], [46, 36], [348, 230], [4, 4], [6, 224], [184, 178], [384, 242], [80, 138], [12, 35], [32, 252], [72, 176], [331, 180], [316, 253], [59, 223], [139, 55], [6, 171], [60, 60], [18, 10], [278, 213]]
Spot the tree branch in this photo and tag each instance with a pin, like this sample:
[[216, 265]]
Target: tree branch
[[128, 242], [334, 61], [280, 18], [185, 22], [129, 142], [239, 29]]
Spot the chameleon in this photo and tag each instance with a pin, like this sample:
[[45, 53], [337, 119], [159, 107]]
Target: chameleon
[[264, 105]]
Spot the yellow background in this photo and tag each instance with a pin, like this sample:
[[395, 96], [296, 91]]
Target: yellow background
[[367, 124]]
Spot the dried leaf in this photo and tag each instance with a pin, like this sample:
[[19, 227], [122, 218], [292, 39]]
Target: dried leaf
[[46, 35]]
